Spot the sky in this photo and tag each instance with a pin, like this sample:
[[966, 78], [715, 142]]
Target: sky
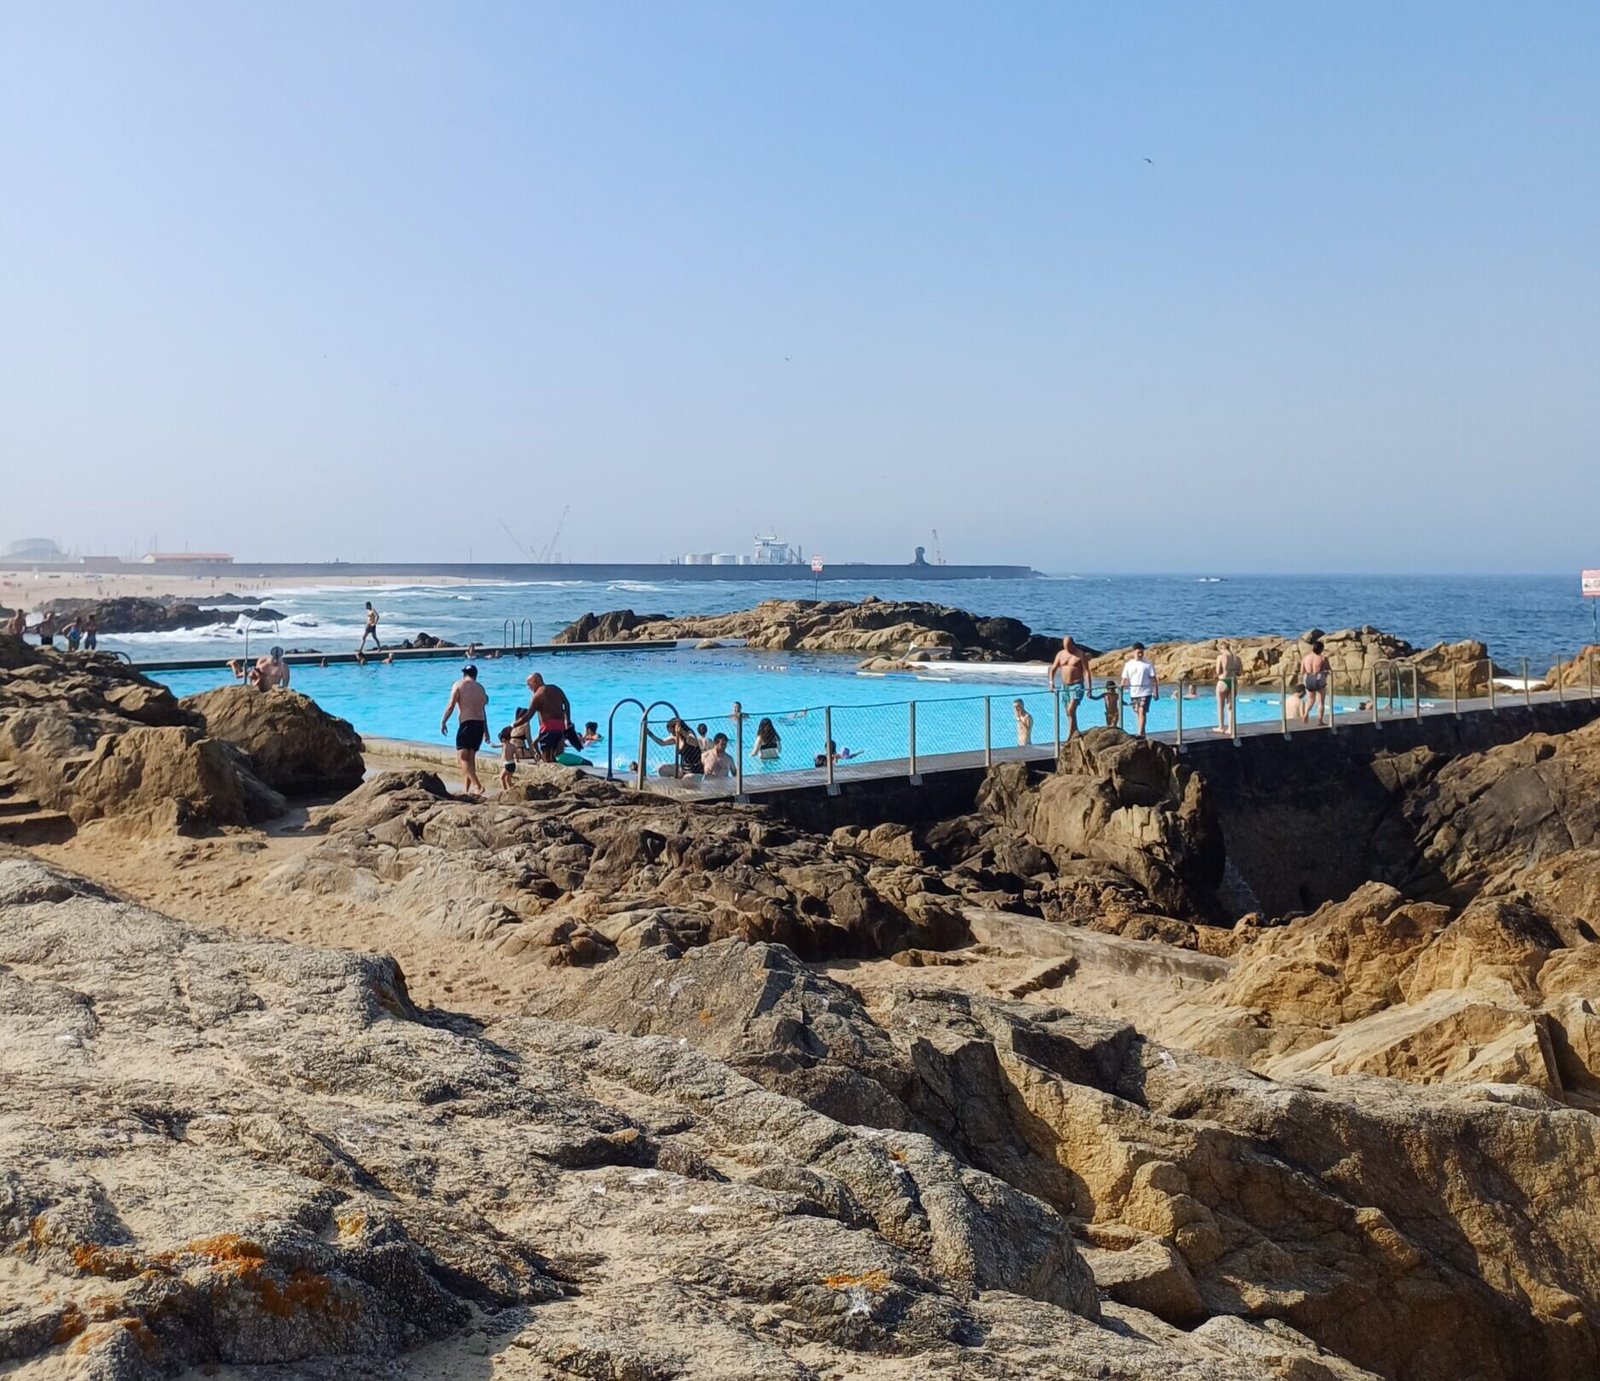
[[1093, 287]]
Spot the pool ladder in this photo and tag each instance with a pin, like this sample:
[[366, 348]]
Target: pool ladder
[[516, 633]]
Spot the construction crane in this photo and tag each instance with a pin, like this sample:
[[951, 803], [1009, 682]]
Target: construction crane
[[550, 546], [938, 551], [517, 541]]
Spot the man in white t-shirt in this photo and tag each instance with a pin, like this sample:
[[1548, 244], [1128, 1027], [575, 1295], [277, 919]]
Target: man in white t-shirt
[[1140, 684]]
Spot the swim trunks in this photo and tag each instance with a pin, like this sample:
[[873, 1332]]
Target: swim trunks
[[551, 739], [509, 768], [1315, 681], [1074, 692], [471, 733], [1140, 701], [90, 642]]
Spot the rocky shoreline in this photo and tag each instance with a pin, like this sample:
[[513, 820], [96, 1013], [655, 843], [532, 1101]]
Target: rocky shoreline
[[900, 635], [675, 1089]]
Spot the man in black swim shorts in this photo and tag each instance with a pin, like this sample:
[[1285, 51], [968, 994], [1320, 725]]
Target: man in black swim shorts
[[470, 702]]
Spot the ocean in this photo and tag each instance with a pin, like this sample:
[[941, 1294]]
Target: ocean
[[1540, 617]]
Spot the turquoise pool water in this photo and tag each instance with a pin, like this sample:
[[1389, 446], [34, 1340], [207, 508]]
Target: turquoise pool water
[[869, 714]]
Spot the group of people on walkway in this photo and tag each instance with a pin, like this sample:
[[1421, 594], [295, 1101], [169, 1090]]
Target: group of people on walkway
[[81, 629], [541, 729], [1139, 684]]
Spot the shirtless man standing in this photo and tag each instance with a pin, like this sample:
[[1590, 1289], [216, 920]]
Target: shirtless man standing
[[550, 703], [1073, 664], [370, 631], [470, 702], [17, 624]]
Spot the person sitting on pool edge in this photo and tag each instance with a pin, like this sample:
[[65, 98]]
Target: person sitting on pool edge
[[690, 760], [718, 761]]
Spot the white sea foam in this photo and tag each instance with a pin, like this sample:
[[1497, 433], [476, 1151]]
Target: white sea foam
[[637, 586]]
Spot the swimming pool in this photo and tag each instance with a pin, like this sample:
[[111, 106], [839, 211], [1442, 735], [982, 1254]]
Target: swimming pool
[[803, 694]]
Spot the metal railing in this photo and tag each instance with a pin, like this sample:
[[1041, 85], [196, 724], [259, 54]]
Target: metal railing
[[831, 744], [516, 633]]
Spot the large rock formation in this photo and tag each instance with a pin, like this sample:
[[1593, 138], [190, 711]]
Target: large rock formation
[[226, 1153], [1128, 804], [809, 625], [89, 737], [296, 747], [1354, 653], [1424, 1234], [579, 870], [168, 614]]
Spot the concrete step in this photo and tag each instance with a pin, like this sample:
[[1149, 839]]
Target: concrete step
[[37, 827]]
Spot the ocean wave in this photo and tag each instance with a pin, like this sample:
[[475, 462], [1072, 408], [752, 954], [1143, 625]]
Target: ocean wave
[[636, 587]]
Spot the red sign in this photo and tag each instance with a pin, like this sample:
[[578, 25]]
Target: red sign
[[1591, 584], [816, 569]]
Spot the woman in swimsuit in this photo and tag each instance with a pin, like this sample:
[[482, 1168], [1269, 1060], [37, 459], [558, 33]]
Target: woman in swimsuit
[[1314, 680], [768, 744], [1228, 668], [690, 761]]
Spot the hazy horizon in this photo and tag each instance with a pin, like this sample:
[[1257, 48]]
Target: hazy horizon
[[1220, 289]]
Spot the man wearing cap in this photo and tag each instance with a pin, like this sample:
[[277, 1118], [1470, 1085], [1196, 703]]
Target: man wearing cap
[[470, 702], [270, 671]]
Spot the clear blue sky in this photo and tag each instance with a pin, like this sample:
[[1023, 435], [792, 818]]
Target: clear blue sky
[[355, 279]]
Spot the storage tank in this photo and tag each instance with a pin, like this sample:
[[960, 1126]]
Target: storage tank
[[724, 558], [697, 558]]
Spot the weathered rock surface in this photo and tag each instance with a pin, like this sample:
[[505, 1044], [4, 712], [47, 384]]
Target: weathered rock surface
[[295, 746], [224, 1154], [1128, 804], [90, 737], [1353, 652], [1423, 1234], [873, 625], [578, 870], [1485, 821]]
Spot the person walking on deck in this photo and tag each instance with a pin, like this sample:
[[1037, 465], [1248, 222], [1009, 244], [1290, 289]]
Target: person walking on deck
[[1314, 669], [470, 704], [370, 631], [1073, 665], [1139, 680]]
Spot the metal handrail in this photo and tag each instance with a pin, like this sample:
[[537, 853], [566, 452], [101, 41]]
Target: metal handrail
[[252, 623], [611, 727], [644, 729]]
